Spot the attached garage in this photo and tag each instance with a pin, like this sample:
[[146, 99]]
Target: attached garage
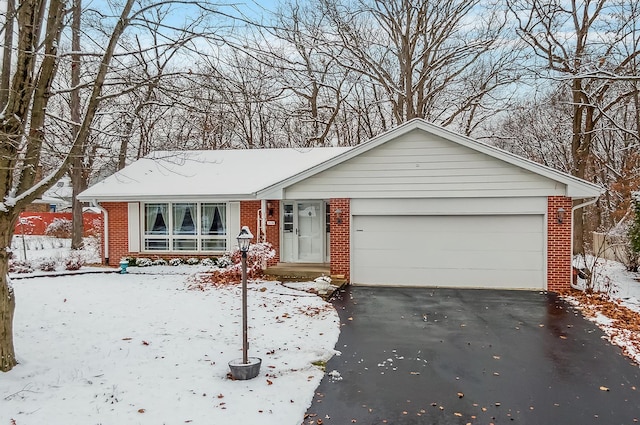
[[470, 251], [423, 206]]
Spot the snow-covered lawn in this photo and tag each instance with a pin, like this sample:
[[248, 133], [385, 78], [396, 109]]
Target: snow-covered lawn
[[142, 349], [615, 307]]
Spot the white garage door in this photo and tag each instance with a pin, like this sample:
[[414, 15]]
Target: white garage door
[[497, 251]]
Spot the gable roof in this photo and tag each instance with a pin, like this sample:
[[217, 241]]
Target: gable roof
[[576, 188], [265, 173], [218, 174]]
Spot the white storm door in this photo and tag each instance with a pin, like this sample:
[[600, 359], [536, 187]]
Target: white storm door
[[303, 232], [310, 231]]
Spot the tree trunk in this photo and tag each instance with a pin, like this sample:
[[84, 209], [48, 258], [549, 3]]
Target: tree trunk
[[6, 54], [7, 296], [77, 183]]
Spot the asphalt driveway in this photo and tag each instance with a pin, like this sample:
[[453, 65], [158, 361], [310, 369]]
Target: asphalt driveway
[[444, 356]]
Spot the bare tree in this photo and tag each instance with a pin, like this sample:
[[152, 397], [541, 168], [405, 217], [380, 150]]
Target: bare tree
[[27, 124], [7, 30], [425, 55], [591, 48]]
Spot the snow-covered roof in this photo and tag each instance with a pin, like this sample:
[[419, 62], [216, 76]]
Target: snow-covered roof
[[218, 174]]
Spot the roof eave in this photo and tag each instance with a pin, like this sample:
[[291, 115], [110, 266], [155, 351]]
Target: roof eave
[[167, 198]]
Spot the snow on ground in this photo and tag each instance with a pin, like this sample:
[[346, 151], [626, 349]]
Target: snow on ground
[[615, 307], [36, 248], [141, 349]]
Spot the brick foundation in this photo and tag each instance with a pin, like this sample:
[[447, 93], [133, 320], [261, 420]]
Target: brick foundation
[[340, 236], [558, 244]]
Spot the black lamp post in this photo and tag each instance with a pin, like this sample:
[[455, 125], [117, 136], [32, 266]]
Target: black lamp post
[[244, 240], [247, 367]]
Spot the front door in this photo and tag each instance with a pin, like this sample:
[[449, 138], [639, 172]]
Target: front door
[[303, 232]]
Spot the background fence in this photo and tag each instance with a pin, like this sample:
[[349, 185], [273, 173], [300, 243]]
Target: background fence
[[36, 223], [610, 247]]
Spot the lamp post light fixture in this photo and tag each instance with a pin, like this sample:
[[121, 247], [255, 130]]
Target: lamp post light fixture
[[247, 367]]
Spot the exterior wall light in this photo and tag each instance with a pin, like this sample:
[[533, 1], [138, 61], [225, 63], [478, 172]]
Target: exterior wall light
[[339, 216], [561, 215]]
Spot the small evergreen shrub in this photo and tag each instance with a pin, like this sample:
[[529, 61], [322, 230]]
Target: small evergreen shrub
[[144, 262], [48, 265], [59, 228], [175, 262], [193, 261], [224, 262], [159, 262], [73, 262], [20, 266], [208, 262]]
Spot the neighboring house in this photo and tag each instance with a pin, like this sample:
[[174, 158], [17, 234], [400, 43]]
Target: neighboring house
[[418, 205], [56, 199]]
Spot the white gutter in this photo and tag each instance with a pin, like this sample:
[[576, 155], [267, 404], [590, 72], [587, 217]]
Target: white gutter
[[105, 229], [576, 207]]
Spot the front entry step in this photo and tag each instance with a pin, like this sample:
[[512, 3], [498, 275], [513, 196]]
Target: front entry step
[[298, 272]]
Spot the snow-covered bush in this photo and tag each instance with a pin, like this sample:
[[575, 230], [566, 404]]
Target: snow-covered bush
[[20, 266], [59, 228], [257, 257], [193, 261], [144, 262], [159, 262], [175, 261], [47, 265], [208, 262], [256, 260], [224, 262], [73, 262]]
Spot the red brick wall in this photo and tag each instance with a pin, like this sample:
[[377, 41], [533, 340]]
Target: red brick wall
[[558, 244], [273, 231], [340, 237], [118, 214], [248, 217]]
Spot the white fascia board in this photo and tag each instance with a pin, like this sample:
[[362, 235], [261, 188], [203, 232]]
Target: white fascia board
[[271, 193], [169, 198]]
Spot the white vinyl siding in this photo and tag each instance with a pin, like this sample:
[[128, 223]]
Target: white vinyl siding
[[422, 165], [465, 251]]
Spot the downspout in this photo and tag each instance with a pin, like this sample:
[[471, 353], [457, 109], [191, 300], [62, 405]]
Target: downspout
[[573, 209], [262, 220], [105, 229]]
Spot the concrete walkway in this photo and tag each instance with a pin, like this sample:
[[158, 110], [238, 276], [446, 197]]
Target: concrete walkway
[[439, 356]]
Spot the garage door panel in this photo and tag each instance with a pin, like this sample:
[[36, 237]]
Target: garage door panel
[[442, 278], [458, 251], [464, 259]]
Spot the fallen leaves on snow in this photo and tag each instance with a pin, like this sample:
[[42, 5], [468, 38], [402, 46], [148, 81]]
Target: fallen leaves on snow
[[624, 329]]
